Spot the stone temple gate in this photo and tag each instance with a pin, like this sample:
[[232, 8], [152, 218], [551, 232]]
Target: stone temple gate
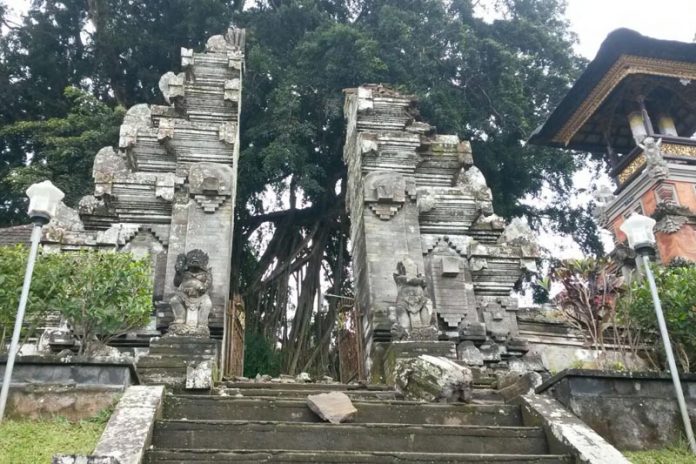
[[433, 264], [431, 260], [169, 187]]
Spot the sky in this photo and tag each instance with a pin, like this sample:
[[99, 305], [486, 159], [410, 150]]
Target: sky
[[592, 20]]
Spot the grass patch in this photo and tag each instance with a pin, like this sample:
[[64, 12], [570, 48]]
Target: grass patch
[[35, 442], [676, 454]]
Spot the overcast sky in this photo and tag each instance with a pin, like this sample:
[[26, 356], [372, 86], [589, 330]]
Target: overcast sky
[[592, 20]]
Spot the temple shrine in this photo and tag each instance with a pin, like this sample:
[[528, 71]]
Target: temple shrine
[[635, 106]]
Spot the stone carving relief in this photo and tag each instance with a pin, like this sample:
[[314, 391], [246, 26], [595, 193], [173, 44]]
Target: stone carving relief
[[386, 192], [412, 315], [172, 86], [210, 185], [603, 198], [191, 304]]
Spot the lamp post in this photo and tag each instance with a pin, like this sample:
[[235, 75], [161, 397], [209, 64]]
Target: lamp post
[[43, 201], [639, 231]]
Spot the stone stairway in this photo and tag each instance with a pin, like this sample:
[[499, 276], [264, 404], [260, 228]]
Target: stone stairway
[[270, 422]]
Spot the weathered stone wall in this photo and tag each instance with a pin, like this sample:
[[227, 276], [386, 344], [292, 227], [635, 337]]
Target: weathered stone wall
[[415, 197], [169, 187], [632, 411]]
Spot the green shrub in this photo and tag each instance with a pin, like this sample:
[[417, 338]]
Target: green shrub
[[45, 285], [676, 287], [102, 294]]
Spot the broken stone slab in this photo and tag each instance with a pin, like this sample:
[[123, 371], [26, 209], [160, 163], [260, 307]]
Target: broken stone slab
[[433, 379], [468, 353], [334, 407], [303, 377], [524, 385], [199, 376]]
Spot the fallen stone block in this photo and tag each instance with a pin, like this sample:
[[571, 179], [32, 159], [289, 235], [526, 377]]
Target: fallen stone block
[[334, 407], [525, 385], [433, 379]]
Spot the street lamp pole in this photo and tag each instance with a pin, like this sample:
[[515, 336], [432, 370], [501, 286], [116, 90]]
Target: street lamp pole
[[43, 200], [670, 354], [639, 231], [14, 344]]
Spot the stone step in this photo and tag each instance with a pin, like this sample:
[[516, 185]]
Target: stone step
[[173, 456], [479, 395], [162, 375], [170, 361], [195, 407], [324, 387], [294, 393], [268, 435]]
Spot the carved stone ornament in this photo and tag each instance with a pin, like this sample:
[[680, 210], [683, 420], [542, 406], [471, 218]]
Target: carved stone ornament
[[210, 185], [670, 224], [386, 192], [656, 164], [172, 86], [412, 316], [191, 304]]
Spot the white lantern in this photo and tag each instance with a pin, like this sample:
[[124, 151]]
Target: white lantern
[[639, 231], [43, 200]]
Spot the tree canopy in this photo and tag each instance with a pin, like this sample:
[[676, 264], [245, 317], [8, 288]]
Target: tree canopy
[[488, 78]]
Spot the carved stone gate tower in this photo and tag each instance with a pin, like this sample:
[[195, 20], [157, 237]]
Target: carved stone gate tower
[[433, 265], [168, 189]]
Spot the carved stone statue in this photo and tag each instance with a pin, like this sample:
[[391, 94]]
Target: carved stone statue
[[413, 315], [656, 164], [191, 304]]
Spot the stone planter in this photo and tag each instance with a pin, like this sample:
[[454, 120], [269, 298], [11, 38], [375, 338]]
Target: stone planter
[[633, 411], [75, 388]]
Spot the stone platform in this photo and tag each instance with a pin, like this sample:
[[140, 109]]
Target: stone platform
[[170, 358]]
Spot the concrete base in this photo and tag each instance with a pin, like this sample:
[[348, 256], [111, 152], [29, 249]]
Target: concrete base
[[633, 411], [75, 388]]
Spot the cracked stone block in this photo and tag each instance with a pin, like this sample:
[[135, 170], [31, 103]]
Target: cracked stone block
[[199, 376], [433, 379], [467, 352], [334, 407]]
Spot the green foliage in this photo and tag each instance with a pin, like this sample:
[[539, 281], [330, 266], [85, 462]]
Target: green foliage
[[102, 294], [678, 453], [677, 290], [46, 283], [260, 357], [35, 442], [589, 301], [61, 149]]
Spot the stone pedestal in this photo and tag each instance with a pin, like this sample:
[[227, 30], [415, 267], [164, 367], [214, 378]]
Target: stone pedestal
[[171, 357]]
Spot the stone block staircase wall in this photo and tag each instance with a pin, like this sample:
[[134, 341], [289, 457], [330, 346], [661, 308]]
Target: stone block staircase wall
[[270, 422]]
